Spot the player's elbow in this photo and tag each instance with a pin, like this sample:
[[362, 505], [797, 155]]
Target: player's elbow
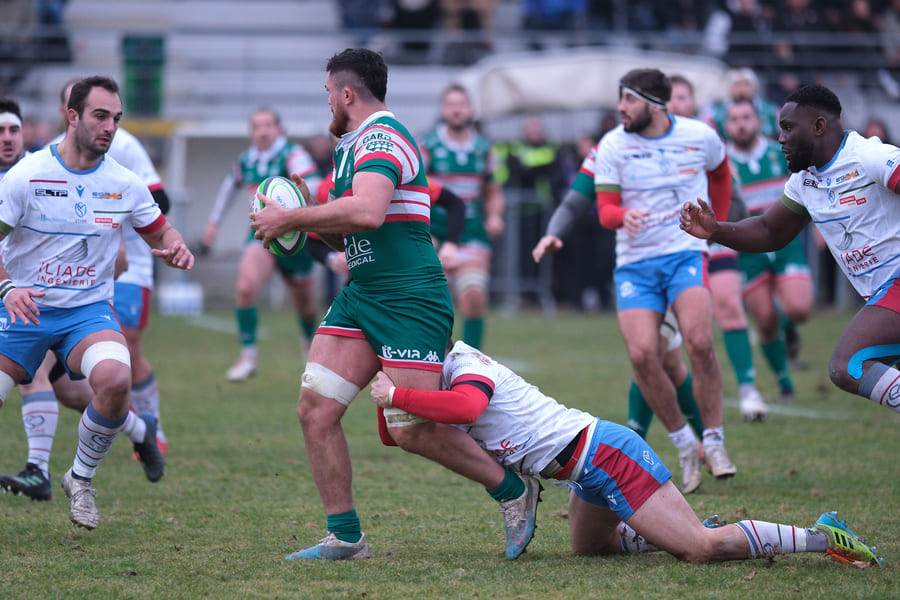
[[368, 221]]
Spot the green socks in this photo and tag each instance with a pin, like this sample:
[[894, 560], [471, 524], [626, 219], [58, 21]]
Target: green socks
[[737, 346], [247, 319], [511, 487], [345, 526], [473, 329]]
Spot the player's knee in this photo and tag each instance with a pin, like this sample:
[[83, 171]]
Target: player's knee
[[110, 364], [409, 431], [643, 358], [7, 384], [324, 396], [838, 372]]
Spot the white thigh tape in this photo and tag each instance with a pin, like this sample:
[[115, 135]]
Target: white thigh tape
[[472, 278], [400, 418], [326, 382], [103, 351], [6, 386]]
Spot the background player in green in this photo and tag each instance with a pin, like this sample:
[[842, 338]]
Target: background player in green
[[395, 314], [460, 158], [270, 154], [783, 274]]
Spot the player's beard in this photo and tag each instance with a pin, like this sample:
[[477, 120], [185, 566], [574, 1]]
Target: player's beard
[[640, 121], [800, 157], [340, 122], [7, 164], [95, 147]]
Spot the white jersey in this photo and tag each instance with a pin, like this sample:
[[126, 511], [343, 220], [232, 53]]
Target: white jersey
[[521, 427], [64, 227], [658, 175], [128, 152], [851, 202]]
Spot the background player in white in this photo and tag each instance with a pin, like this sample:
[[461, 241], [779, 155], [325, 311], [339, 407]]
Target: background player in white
[[61, 213], [270, 154], [578, 199], [849, 186], [623, 499], [645, 168]]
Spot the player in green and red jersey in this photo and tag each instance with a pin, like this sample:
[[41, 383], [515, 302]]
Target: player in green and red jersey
[[459, 158], [395, 314]]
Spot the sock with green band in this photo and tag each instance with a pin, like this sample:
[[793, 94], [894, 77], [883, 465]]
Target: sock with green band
[[511, 487], [345, 526], [247, 319], [688, 405], [640, 414], [776, 355], [737, 346], [473, 330], [308, 327]]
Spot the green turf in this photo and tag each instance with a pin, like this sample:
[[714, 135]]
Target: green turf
[[237, 496]]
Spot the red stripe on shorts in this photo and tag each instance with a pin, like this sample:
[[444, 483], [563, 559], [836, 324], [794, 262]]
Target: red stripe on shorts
[[633, 481]]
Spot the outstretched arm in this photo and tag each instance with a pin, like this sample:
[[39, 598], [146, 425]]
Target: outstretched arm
[[463, 403], [574, 204], [767, 232]]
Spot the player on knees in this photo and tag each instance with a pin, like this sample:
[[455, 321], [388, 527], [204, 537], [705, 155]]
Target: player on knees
[[849, 186], [58, 297], [623, 499]]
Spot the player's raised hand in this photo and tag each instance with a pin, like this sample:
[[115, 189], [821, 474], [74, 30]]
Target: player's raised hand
[[381, 389], [548, 243], [699, 220], [19, 305]]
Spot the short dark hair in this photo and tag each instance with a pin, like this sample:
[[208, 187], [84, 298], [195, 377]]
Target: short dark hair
[[816, 96], [651, 82], [11, 106], [83, 87], [746, 101], [673, 79], [368, 69]]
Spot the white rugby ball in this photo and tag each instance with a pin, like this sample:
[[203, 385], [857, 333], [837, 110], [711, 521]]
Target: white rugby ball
[[283, 191]]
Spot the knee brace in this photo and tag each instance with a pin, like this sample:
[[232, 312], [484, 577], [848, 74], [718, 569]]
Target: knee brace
[[326, 382], [472, 278], [6, 386], [103, 351]]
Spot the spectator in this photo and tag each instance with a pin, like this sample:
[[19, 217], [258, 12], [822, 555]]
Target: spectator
[[475, 15], [54, 41], [537, 179], [413, 17], [739, 31], [540, 16], [875, 127], [16, 42], [362, 17], [792, 47], [888, 22]]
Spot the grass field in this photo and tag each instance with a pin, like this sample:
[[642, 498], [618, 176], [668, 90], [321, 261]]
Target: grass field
[[238, 496]]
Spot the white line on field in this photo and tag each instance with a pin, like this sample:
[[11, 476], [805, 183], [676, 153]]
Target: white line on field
[[220, 325]]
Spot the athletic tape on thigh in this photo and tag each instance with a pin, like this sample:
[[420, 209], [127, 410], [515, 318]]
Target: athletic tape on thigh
[[669, 330], [471, 279], [6, 386], [326, 382], [104, 351], [394, 417], [854, 366]]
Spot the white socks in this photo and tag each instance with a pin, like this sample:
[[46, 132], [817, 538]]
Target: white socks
[[40, 414]]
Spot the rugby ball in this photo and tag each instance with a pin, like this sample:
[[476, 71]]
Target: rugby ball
[[283, 191]]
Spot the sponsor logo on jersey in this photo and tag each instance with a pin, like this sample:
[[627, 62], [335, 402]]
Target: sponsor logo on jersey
[[80, 209], [400, 353], [810, 183], [626, 290], [4, 324], [107, 195], [106, 222], [80, 189], [854, 174], [859, 259], [852, 200], [51, 193], [648, 457], [359, 252]]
